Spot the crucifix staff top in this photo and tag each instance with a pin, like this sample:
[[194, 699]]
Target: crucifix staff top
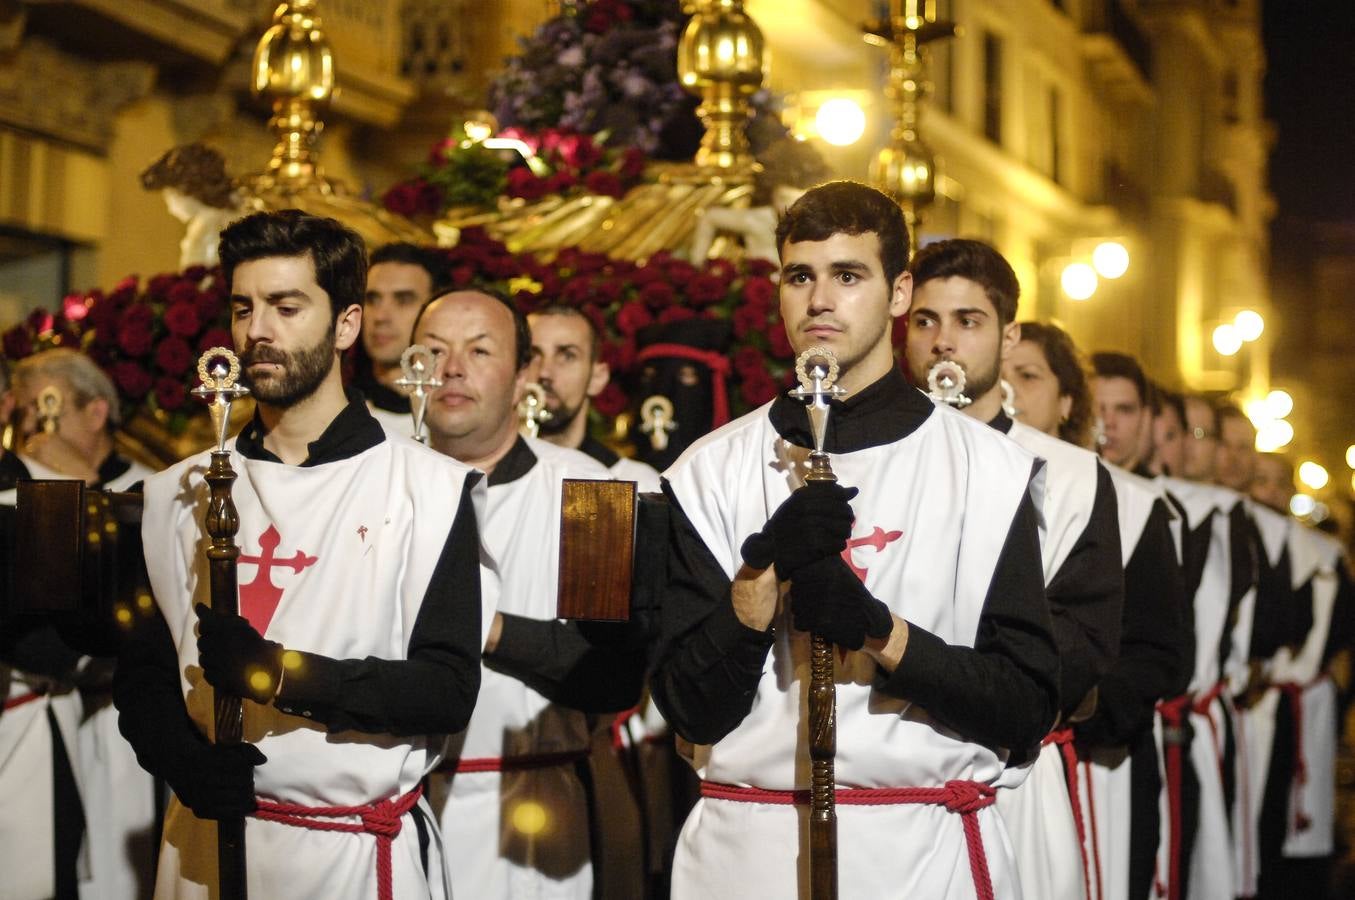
[[418, 374], [219, 371]]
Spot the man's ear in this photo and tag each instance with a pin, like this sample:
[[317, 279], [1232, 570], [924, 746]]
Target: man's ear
[[901, 294], [1011, 336], [95, 413], [347, 327], [598, 378]]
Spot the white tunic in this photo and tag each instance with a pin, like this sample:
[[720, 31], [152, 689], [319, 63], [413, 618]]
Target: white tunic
[[375, 524], [522, 834], [400, 424], [950, 489], [1039, 812], [645, 476]]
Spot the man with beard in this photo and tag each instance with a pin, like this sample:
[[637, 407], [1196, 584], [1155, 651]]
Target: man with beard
[[514, 793], [565, 348], [359, 637], [400, 279], [46, 662], [964, 310], [944, 662]]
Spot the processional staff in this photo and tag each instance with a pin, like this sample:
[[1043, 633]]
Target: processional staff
[[532, 409], [817, 371], [418, 374], [219, 371]]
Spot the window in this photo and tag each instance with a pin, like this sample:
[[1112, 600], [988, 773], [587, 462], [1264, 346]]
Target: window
[[992, 87], [1055, 147]]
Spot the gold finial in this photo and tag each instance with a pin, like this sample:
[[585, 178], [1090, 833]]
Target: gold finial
[[721, 58], [906, 169], [294, 67]]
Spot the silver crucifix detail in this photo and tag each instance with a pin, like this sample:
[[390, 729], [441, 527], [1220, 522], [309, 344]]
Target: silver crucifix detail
[[532, 409], [816, 369], [418, 373], [219, 372], [946, 383]]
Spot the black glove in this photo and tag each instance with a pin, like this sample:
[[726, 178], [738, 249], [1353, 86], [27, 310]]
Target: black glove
[[827, 598], [235, 658], [814, 522], [216, 781]]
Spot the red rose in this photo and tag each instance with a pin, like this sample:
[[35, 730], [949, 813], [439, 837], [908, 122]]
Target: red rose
[[18, 342], [183, 292], [215, 337], [758, 292], [611, 401], [632, 317], [195, 274], [780, 344], [678, 271], [722, 269], [522, 183], [462, 275], [657, 295], [131, 379], [160, 285], [597, 317], [125, 291], [134, 330], [758, 388], [577, 292], [632, 163], [646, 274], [562, 181], [676, 314], [600, 181], [588, 263], [748, 320], [759, 268], [748, 361], [210, 304], [580, 151], [608, 290], [441, 151], [502, 266], [170, 394], [173, 356], [182, 319], [619, 355], [703, 290]]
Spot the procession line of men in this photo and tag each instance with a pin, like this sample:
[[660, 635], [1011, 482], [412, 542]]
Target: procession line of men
[[1057, 675]]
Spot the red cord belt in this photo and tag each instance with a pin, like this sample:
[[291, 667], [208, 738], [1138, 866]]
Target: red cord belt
[[16, 702], [1174, 735], [1294, 691], [512, 763], [964, 798], [1063, 738], [381, 819]]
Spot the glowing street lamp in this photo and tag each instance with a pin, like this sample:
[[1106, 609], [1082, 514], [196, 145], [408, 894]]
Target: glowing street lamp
[[1302, 505], [1279, 404], [1249, 324], [1079, 281], [840, 121], [1110, 259], [1350, 456], [1313, 475], [1274, 435], [1226, 339]]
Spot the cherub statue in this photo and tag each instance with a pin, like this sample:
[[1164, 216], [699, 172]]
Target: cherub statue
[[199, 193]]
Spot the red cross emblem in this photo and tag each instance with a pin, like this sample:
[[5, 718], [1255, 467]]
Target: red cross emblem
[[259, 599], [876, 540]]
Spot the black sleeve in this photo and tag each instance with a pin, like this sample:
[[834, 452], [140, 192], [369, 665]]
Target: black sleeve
[[1341, 632], [1003, 691], [1086, 600], [146, 691], [1274, 605], [707, 663], [1244, 558], [594, 667], [1156, 655], [31, 644], [431, 692]]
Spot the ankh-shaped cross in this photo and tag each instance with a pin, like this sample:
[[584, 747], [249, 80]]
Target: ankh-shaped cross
[[219, 372], [418, 374], [532, 409], [50, 403]]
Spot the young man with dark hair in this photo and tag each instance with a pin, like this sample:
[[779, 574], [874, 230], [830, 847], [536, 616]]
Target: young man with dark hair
[[922, 566], [963, 311], [400, 279], [513, 794], [1235, 461], [359, 638], [569, 370], [1169, 433], [1120, 395]]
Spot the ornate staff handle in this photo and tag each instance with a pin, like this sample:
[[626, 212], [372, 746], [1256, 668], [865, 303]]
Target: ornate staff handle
[[532, 410], [218, 369], [418, 373], [817, 370]]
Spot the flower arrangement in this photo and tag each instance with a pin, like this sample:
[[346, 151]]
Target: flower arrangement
[[464, 173], [147, 338]]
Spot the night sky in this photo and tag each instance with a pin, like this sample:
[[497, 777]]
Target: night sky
[[1310, 97]]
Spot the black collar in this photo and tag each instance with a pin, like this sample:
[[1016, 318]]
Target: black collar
[[12, 470], [518, 461], [599, 451], [351, 432], [113, 466], [381, 396], [879, 414], [1002, 422]]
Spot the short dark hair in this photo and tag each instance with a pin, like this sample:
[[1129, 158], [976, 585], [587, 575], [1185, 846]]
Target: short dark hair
[[976, 261], [1228, 410], [336, 251], [522, 332], [848, 207], [1169, 399], [1119, 365], [562, 309], [1066, 363], [412, 255]]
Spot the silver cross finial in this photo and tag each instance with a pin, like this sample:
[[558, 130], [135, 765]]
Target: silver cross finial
[[219, 372], [418, 373]]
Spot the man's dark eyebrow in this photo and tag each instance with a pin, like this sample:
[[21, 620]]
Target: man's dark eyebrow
[[275, 296], [849, 265]]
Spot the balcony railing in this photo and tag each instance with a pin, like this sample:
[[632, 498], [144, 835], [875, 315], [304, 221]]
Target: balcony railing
[[1109, 17]]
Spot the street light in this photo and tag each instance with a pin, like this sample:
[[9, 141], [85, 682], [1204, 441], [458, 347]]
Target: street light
[[1111, 259], [1350, 456], [1226, 339], [1279, 404], [1302, 505], [1313, 475], [1079, 281], [840, 121], [1274, 435], [1249, 324]]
